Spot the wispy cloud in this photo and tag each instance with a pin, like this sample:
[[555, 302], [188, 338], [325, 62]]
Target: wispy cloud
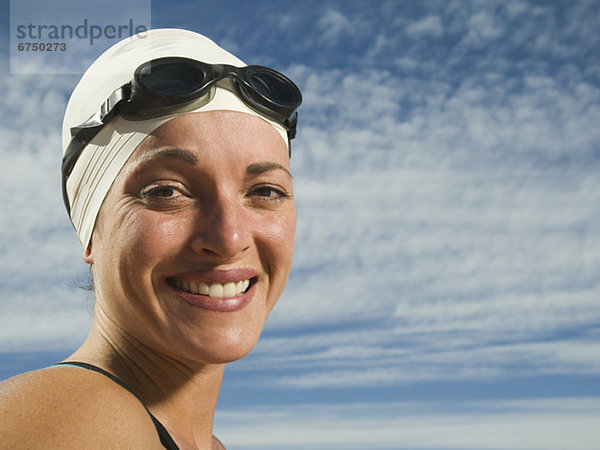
[[40, 255], [428, 26], [334, 25], [534, 424]]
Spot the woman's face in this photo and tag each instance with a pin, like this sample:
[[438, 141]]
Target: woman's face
[[194, 242]]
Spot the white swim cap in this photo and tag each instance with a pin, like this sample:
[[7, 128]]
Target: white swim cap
[[103, 158]]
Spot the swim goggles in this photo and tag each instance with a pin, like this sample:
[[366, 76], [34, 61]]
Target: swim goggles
[[174, 84]]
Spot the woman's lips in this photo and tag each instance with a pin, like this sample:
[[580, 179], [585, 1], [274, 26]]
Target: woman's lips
[[213, 290], [216, 290]]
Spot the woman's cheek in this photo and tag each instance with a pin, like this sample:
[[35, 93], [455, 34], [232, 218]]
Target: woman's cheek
[[154, 234]]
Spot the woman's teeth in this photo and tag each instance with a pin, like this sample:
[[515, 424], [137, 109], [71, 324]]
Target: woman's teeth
[[214, 290]]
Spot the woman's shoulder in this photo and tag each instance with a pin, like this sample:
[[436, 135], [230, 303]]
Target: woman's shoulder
[[70, 407]]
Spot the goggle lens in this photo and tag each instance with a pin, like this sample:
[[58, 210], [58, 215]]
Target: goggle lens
[[273, 88], [174, 81]]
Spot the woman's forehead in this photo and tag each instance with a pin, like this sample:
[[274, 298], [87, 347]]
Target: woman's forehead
[[217, 129], [216, 137]]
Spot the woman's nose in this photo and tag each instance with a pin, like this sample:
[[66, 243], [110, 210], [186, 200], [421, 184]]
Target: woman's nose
[[222, 229]]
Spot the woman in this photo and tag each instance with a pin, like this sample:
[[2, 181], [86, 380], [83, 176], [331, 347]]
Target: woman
[[180, 190]]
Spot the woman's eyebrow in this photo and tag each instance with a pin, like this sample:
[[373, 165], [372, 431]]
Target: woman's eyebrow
[[185, 155], [189, 157], [265, 166]]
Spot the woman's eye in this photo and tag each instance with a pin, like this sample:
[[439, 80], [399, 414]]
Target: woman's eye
[[270, 193], [159, 192], [165, 196]]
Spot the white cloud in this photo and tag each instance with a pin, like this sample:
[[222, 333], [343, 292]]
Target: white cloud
[[333, 25], [556, 423], [428, 26], [39, 255], [422, 351], [54, 330]]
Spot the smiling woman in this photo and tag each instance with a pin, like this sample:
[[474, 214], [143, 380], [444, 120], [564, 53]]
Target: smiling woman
[[187, 218]]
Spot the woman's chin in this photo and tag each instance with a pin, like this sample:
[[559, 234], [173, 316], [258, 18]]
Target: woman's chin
[[218, 348], [223, 354]]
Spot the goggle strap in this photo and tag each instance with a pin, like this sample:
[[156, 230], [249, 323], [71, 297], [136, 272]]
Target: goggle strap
[[290, 124], [106, 112], [109, 107]]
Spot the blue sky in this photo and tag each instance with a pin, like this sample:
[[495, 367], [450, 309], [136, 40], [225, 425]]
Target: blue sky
[[445, 290]]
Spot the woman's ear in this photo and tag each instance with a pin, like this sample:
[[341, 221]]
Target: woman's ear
[[87, 255]]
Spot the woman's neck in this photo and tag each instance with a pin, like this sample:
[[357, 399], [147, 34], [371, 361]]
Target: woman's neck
[[181, 396]]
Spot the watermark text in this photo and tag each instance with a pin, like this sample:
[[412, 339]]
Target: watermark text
[[85, 31]]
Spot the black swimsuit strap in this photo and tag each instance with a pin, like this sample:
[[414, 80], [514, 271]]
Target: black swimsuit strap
[[165, 438]]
